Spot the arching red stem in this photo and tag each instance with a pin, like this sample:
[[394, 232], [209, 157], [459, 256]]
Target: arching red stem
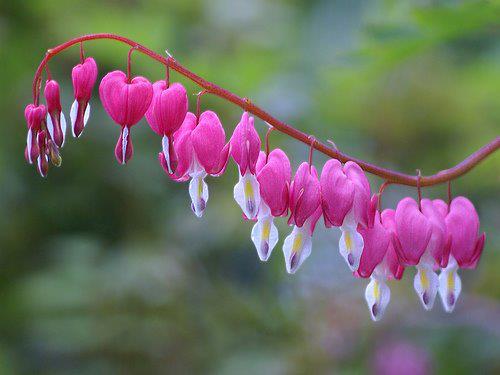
[[393, 176]]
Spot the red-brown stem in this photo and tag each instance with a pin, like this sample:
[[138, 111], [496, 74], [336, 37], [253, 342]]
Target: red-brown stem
[[129, 61], [82, 53], [268, 133], [167, 77], [311, 151], [198, 104], [47, 70], [419, 190], [393, 176], [380, 192]]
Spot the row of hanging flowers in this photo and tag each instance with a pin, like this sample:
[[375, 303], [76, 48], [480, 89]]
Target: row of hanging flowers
[[435, 237]]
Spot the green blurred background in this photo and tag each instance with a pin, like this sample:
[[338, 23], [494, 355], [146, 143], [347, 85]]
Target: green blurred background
[[104, 269]]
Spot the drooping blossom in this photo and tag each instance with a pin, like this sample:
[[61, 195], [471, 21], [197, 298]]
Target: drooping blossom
[[84, 76], [462, 225], [379, 261], [436, 254], [43, 158], [56, 122], [245, 148], [35, 120], [305, 210], [414, 231], [126, 101], [165, 116], [273, 176], [345, 193], [200, 149]]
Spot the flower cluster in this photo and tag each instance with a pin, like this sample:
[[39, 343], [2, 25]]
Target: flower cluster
[[430, 235]]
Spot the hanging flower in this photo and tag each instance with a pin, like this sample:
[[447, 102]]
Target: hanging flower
[[379, 261], [273, 176], [35, 120], [245, 148], [436, 254], [56, 123], [42, 159], [375, 263], [126, 101], [84, 76], [345, 199], [462, 224], [200, 148], [414, 231], [165, 115], [305, 211]]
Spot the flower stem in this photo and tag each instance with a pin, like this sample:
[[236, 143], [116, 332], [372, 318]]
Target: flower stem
[[394, 177]]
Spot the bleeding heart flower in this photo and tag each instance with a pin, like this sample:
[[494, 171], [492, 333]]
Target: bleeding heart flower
[[436, 254], [413, 232], [273, 176], [56, 122], [305, 211], [35, 120], [126, 101], [345, 193], [414, 247], [375, 263], [245, 148], [462, 224], [165, 115], [200, 148], [84, 76], [379, 264], [42, 159]]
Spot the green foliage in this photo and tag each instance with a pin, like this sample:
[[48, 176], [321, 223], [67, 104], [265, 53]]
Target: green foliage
[[103, 269]]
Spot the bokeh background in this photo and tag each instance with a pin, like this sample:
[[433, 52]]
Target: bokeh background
[[104, 269]]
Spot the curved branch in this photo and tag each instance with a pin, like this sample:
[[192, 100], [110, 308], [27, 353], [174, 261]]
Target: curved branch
[[387, 174]]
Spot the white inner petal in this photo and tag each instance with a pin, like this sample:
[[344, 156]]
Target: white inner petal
[[63, 127], [297, 248], [124, 144], [247, 194], [450, 285], [264, 236], [29, 141], [377, 295], [426, 284], [166, 152], [50, 126], [351, 246], [72, 115], [86, 115], [198, 191]]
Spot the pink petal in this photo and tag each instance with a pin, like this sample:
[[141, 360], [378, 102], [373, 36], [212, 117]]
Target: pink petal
[[413, 231], [362, 191], [168, 108], [394, 268], [305, 194], [273, 179], [245, 144], [462, 223], [437, 244], [209, 141], [126, 103], [124, 148], [261, 161], [84, 77], [158, 87], [376, 242], [183, 145], [337, 193]]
